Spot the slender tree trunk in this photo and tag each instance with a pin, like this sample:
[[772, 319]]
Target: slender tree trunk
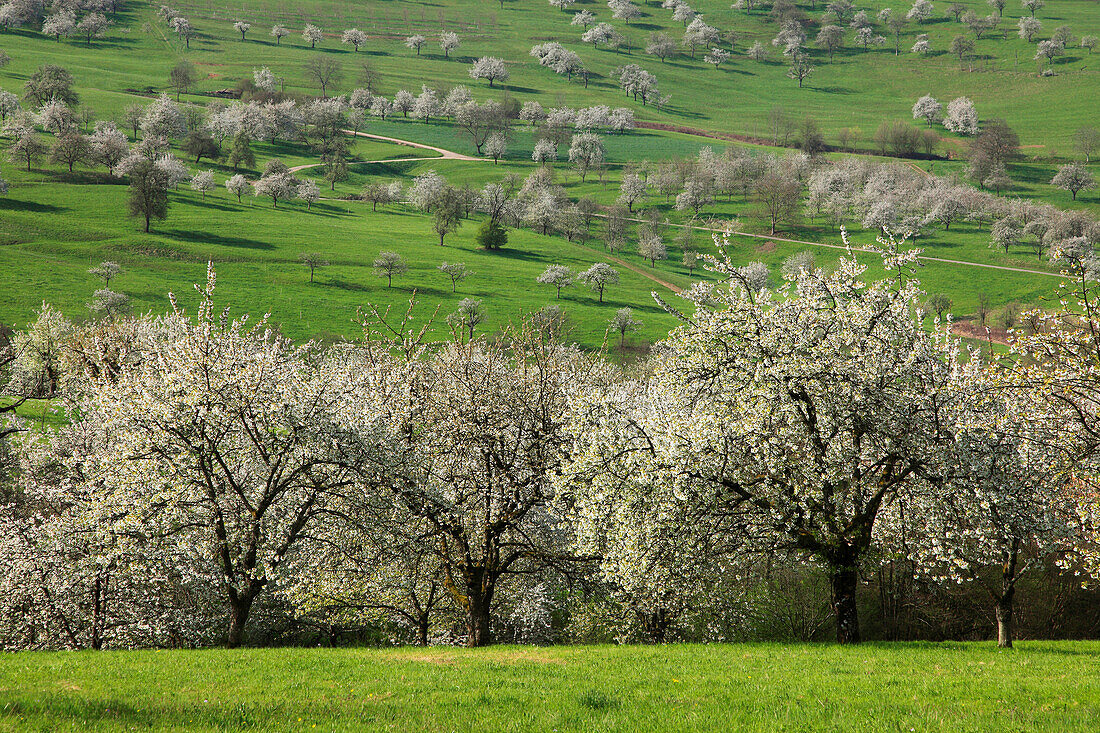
[[655, 624], [98, 593], [1005, 623], [844, 580], [1005, 611], [422, 629]]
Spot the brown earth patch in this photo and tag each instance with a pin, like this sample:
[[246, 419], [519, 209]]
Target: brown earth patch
[[440, 658], [511, 656], [645, 125], [969, 329]]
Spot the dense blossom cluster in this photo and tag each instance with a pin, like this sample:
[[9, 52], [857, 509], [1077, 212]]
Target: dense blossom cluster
[[213, 478]]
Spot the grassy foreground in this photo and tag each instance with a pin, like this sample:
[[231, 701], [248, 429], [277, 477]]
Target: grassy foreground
[[1039, 686]]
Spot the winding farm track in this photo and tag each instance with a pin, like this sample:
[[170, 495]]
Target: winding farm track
[[770, 238], [445, 154], [297, 168], [634, 268]]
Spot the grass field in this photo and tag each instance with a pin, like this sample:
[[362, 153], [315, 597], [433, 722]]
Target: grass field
[[53, 226], [950, 687], [855, 88]]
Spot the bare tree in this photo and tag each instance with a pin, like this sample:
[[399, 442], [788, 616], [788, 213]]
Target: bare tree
[[777, 196], [313, 261], [325, 71]]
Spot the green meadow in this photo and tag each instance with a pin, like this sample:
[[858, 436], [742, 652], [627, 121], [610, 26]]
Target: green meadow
[[55, 225], [949, 687]]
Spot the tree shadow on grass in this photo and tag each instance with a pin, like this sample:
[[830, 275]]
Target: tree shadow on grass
[[214, 204], [56, 708], [341, 284], [82, 178], [111, 42], [197, 237], [16, 205], [517, 89], [516, 254]]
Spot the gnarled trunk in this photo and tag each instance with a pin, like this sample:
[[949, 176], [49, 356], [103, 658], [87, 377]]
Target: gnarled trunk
[[239, 607], [844, 581], [477, 620]]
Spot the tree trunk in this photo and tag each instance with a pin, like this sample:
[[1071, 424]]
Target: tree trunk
[[239, 608], [422, 629], [844, 580], [655, 624], [477, 621], [1005, 624], [98, 593]]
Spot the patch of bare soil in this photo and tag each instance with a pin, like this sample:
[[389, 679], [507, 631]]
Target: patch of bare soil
[[970, 329], [509, 656]]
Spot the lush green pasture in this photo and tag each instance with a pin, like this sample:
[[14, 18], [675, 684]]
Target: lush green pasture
[[1039, 686], [256, 247], [855, 88], [53, 226]]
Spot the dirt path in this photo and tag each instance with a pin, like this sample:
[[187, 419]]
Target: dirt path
[[860, 249], [633, 268], [297, 168], [443, 152], [696, 132], [917, 168]]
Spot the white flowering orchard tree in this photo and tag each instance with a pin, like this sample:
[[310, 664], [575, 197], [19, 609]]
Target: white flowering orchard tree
[[469, 440], [1004, 502], [1066, 347], [69, 582], [370, 564], [220, 444], [787, 420], [661, 552]]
